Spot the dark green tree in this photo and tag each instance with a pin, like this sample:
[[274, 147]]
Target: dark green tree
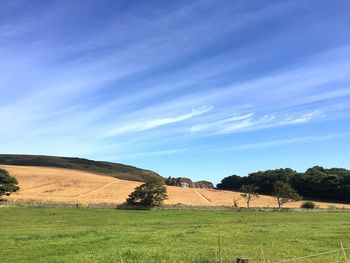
[[8, 184], [151, 193], [284, 193], [249, 193], [233, 182]]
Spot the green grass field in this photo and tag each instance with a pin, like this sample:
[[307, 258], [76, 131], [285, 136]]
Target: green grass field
[[107, 235]]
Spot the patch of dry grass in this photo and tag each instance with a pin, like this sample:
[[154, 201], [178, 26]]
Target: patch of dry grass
[[73, 186]]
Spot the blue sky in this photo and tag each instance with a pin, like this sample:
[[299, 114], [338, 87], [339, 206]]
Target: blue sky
[[202, 89]]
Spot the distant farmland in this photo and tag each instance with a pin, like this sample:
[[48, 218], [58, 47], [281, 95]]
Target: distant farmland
[[74, 186]]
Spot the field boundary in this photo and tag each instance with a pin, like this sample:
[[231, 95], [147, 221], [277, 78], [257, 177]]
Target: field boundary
[[201, 195], [164, 207]]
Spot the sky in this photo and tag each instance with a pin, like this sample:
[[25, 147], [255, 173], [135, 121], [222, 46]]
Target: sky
[[199, 89]]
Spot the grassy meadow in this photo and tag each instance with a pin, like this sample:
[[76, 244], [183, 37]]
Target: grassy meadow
[[107, 235]]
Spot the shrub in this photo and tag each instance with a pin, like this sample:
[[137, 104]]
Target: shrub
[[308, 205]]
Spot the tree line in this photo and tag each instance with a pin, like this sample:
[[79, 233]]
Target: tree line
[[316, 182]]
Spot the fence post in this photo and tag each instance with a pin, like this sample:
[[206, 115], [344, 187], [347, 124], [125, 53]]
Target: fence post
[[242, 260]]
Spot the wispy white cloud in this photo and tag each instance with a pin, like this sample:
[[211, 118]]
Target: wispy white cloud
[[306, 117], [151, 124], [247, 122], [241, 119], [281, 142]]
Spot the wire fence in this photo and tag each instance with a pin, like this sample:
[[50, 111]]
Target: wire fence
[[342, 249]]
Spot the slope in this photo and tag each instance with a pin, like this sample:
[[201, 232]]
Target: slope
[[117, 170]]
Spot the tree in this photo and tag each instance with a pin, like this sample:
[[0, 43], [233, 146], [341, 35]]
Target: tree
[[249, 192], [265, 179], [233, 182], [8, 184], [284, 193], [151, 193], [235, 202]]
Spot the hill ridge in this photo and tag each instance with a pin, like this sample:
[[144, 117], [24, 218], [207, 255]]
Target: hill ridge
[[117, 170]]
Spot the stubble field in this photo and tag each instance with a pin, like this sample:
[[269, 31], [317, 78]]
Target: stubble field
[[72, 186]]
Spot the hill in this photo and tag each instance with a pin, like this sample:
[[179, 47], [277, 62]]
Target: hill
[[47, 184], [117, 170]]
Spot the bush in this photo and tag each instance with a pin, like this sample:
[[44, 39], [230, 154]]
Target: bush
[[308, 205]]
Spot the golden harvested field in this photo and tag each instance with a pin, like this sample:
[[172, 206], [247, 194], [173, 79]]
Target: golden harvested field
[[73, 186]]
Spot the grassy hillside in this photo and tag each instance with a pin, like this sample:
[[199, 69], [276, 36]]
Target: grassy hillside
[[116, 170], [107, 235]]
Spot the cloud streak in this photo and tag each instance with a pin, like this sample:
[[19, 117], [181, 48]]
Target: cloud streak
[[282, 142], [247, 122], [155, 123]]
